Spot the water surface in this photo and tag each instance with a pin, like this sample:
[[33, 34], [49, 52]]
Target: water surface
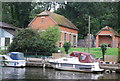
[[48, 73]]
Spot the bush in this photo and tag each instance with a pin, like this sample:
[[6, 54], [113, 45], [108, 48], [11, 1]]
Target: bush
[[67, 46], [103, 48]]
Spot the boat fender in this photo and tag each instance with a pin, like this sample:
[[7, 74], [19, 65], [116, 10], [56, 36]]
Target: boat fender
[[108, 71]]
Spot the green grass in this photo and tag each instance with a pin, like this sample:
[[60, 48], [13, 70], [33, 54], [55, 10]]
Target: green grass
[[95, 51]]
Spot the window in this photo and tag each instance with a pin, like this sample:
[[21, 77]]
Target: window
[[91, 56], [19, 56], [60, 36], [65, 59], [82, 57], [7, 41], [74, 39], [70, 37], [65, 37], [76, 54], [42, 19]]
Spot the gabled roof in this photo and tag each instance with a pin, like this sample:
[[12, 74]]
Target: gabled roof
[[8, 26], [59, 19], [107, 28]]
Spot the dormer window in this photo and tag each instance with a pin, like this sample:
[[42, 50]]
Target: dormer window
[[42, 19]]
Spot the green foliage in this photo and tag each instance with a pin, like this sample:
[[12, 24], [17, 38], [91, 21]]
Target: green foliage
[[2, 52], [102, 14], [67, 46], [16, 13], [29, 40], [39, 7], [4, 63], [52, 35], [103, 48]]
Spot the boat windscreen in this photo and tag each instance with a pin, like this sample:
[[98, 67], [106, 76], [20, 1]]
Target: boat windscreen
[[91, 56], [82, 57], [17, 56]]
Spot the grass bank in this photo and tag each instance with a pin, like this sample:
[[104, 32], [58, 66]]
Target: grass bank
[[95, 51]]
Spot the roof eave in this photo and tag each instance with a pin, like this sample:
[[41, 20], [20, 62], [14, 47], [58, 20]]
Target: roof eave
[[9, 27], [69, 27], [41, 15]]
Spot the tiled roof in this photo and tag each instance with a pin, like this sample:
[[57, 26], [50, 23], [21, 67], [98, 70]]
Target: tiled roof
[[107, 28], [59, 19]]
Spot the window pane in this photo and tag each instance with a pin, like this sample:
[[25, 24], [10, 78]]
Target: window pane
[[82, 57], [42, 19], [7, 41]]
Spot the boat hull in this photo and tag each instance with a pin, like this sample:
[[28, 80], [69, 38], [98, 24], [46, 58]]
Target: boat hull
[[75, 67], [14, 63]]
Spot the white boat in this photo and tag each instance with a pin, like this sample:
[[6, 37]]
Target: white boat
[[77, 61], [15, 59]]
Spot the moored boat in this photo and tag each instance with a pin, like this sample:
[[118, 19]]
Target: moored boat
[[14, 59], [77, 61]]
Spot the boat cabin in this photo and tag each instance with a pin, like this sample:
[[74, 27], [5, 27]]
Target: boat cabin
[[16, 55], [83, 57]]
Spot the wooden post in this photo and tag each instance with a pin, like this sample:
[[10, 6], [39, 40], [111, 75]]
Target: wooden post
[[89, 37]]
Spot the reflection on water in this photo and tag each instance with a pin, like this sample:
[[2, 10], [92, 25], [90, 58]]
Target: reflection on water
[[53, 74], [12, 73], [46, 73]]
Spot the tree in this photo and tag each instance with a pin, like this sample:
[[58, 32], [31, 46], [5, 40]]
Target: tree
[[51, 35], [101, 15], [66, 46], [29, 40], [16, 13], [25, 39], [103, 48]]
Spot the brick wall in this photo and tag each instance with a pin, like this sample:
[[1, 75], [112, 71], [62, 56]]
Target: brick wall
[[48, 22], [105, 39]]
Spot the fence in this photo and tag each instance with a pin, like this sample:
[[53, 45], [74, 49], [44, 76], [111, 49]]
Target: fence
[[37, 54], [58, 55], [110, 58]]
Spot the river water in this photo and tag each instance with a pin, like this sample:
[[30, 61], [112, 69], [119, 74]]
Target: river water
[[49, 73]]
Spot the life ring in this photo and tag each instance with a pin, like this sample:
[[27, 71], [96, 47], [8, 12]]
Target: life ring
[[108, 71]]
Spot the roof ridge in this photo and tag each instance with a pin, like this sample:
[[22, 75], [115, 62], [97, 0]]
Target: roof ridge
[[110, 29]]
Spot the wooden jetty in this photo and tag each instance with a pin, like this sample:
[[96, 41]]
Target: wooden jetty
[[38, 62], [111, 67]]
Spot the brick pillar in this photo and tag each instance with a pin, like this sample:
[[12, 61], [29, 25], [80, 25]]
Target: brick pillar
[[97, 41], [114, 42], [71, 39]]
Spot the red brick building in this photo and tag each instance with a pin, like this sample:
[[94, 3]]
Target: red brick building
[[46, 19], [109, 36]]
